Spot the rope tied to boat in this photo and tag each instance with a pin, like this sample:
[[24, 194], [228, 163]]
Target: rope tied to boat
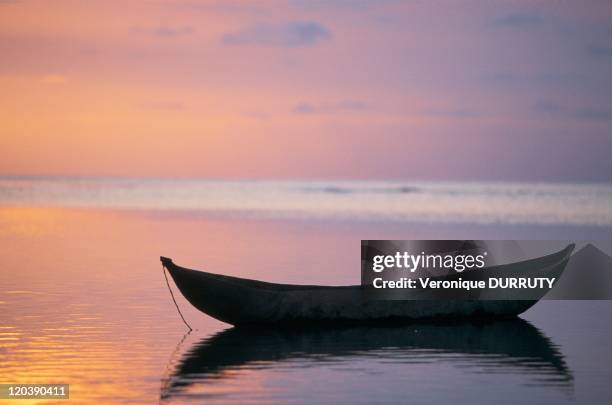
[[173, 300]]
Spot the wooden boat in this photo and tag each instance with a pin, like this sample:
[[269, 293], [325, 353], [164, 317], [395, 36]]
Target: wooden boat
[[240, 301]]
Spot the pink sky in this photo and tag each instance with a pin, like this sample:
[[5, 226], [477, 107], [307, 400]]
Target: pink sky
[[307, 89]]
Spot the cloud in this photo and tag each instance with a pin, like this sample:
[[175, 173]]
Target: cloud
[[327, 108], [547, 107], [289, 35], [453, 113], [342, 5], [599, 51], [304, 108], [593, 114], [518, 20], [552, 108], [165, 31], [540, 78], [224, 7], [172, 32]]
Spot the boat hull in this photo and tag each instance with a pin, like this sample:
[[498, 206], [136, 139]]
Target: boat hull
[[240, 301]]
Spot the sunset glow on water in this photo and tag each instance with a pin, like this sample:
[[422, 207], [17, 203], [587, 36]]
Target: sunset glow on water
[[84, 302]]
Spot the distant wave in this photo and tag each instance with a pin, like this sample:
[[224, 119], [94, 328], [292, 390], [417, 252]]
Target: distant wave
[[431, 202], [373, 190]]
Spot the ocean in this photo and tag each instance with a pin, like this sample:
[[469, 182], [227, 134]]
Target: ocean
[[396, 201], [83, 300]]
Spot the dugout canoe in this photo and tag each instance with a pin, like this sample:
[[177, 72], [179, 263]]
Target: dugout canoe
[[240, 301]]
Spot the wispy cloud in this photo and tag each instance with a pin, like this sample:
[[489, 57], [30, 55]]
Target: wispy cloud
[[599, 51], [514, 78], [341, 5], [304, 108], [594, 114], [289, 35], [554, 109], [452, 113], [165, 31], [327, 108], [547, 107], [518, 20], [171, 32]]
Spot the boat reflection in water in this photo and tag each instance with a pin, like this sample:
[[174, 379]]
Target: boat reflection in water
[[508, 346]]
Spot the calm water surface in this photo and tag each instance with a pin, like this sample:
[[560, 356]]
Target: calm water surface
[[83, 301]]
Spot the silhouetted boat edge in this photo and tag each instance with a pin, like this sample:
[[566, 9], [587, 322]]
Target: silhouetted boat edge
[[240, 301]]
